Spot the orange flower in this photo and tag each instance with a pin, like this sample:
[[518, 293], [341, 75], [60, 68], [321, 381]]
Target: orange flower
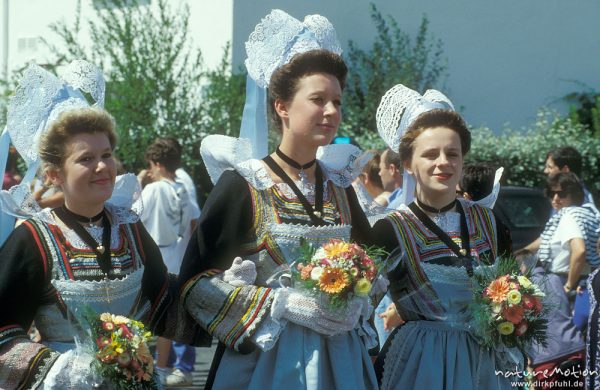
[[333, 280], [498, 289], [513, 313]]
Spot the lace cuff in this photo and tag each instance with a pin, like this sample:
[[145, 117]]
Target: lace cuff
[[72, 370], [268, 333]]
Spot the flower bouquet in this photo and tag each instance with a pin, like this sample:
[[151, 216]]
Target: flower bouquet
[[507, 307], [121, 349], [338, 270]]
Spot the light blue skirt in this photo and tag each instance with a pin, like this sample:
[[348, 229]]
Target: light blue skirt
[[432, 355], [301, 359]]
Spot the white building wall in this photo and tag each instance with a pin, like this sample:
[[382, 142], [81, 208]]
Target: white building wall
[[506, 58], [210, 27]]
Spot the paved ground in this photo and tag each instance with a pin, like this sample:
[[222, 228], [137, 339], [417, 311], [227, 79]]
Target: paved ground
[[203, 359]]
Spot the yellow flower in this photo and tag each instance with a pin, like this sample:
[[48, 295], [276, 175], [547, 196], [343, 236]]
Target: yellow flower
[[523, 281], [513, 297], [362, 287], [333, 280], [119, 350], [120, 320], [106, 317], [336, 248], [506, 328]]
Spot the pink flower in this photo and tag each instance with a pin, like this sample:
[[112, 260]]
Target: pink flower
[[513, 313], [102, 342], [305, 272], [125, 331], [528, 301], [521, 328], [124, 359]]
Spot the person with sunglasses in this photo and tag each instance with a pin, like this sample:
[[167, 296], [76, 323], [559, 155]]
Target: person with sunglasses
[[567, 244]]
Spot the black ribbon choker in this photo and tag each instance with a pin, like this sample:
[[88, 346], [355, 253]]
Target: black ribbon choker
[[293, 163], [430, 209], [83, 218]]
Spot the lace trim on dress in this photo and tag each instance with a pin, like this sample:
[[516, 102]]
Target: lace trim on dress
[[125, 204], [341, 164]]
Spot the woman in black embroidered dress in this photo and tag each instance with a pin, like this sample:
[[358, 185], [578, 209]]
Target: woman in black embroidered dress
[[270, 336], [87, 252]]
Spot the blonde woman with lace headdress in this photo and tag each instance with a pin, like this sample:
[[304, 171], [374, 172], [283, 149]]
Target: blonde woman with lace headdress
[[91, 251]]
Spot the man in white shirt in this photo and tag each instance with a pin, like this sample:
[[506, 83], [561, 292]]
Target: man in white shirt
[[169, 214]]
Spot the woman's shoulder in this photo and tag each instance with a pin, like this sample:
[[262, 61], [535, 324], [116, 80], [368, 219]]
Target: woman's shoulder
[[222, 154]]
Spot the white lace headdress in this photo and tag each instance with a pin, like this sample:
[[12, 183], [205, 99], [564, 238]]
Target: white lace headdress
[[398, 108], [273, 43], [39, 99]]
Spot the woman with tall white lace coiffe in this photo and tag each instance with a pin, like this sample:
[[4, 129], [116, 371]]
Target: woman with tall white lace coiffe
[[92, 251], [272, 336], [437, 241]]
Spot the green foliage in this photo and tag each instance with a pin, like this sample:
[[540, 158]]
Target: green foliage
[[157, 84], [223, 96], [522, 153], [585, 109], [394, 58]]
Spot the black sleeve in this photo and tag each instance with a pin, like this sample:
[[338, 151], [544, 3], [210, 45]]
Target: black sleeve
[[361, 228], [23, 281], [504, 238], [384, 236], [225, 221]]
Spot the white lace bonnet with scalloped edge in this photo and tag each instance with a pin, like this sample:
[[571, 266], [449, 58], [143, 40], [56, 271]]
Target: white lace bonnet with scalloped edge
[[39, 99], [279, 36]]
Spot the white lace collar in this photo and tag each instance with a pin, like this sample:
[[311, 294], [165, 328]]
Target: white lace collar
[[341, 164], [125, 204]]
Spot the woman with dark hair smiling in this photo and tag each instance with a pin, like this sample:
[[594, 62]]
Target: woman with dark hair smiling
[[437, 241]]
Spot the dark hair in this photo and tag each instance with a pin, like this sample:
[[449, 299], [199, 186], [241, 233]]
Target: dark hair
[[173, 141], [392, 157], [477, 180], [284, 80], [430, 119], [163, 151], [371, 169], [566, 156], [91, 120], [568, 182]]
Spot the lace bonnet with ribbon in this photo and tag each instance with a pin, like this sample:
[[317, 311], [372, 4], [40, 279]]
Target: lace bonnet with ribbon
[[39, 99], [273, 43], [398, 109]]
